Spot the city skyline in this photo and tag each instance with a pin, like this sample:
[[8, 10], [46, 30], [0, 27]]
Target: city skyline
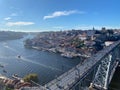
[[45, 15]]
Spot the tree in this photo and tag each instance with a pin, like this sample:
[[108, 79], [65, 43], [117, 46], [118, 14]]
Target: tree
[[29, 77], [78, 43]]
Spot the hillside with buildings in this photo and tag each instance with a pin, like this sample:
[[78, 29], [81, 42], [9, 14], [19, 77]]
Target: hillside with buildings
[[73, 43], [10, 35]]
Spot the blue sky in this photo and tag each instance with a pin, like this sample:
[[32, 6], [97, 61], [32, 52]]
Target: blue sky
[[45, 15]]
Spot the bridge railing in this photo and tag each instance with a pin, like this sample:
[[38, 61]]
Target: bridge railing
[[81, 69], [67, 80]]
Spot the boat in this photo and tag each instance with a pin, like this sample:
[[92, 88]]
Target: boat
[[67, 55], [4, 71], [19, 56], [14, 75]]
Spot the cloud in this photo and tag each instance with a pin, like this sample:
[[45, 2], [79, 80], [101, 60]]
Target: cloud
[[62, 13], [58, 27], [19, 23], [87, 27], [7, 18], [13, 14]]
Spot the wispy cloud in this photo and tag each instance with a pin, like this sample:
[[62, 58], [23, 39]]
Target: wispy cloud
[[62, 13], [19, 23], [7, 18], [87, 27], [58, 27], [13, 14]]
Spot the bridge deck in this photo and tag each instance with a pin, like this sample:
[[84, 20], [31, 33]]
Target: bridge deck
[[66, 80], [69, 78]]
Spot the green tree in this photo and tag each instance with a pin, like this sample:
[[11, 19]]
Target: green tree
[[29, 77], [78, 43]]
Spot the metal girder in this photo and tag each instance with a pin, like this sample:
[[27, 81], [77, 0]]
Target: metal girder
[[100, 81]]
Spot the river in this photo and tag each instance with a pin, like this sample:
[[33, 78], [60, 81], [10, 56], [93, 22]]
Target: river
[[47, 65]]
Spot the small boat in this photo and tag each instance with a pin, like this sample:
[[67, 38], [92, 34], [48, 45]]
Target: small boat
[[15, 75], [19, 56], [4, 71], [67, 55]]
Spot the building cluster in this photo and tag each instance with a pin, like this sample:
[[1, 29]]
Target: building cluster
[[73, 43], [15, 84]]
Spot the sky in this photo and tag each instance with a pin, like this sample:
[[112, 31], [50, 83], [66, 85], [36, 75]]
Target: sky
[[53, 15]]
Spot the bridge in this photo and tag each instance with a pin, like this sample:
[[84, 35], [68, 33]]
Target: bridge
[[95, 73]]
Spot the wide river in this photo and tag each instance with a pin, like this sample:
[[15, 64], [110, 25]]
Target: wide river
[[47, 65]]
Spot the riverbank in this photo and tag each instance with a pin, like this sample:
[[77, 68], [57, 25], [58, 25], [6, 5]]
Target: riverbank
[[62, 52], [10, 35]]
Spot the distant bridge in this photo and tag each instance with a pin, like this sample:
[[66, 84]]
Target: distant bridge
[[95, 73]]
